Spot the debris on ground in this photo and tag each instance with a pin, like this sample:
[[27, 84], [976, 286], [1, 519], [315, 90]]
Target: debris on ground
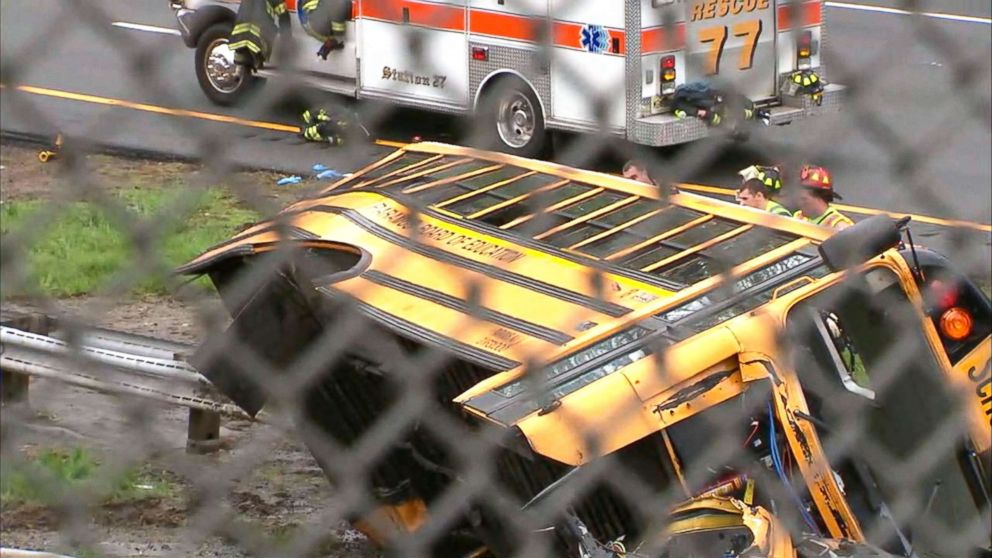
[[288, 180]]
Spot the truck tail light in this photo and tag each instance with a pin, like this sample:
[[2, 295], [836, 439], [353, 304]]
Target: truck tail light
[[956, 323], [804, 49], [667, 74], [480, 53]]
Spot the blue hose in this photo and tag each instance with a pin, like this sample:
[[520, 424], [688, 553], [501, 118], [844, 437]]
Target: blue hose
[[777, 462]]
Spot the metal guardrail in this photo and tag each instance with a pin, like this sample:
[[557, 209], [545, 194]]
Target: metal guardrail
[[116, 363]]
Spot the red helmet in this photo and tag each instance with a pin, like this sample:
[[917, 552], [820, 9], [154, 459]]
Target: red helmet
[[817, 178]]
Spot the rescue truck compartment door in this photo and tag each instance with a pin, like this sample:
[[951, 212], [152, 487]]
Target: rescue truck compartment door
[[733, 42], [587, 64], [414, 51], [340, 63]]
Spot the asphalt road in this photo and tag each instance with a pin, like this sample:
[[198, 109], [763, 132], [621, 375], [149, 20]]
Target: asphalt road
[[915, 137]]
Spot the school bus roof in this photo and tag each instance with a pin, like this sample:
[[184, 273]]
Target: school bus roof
[[505, 260]]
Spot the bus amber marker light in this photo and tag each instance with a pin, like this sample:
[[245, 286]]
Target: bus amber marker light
[[955, 323]]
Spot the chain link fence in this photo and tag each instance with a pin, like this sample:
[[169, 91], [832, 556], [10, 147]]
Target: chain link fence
[[844, 422]]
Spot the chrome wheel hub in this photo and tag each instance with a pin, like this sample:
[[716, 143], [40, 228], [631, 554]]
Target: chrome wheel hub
[[223, 73], [516, 120]]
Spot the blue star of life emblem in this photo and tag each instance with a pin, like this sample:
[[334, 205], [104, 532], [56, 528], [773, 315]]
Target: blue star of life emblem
[[595, 38]]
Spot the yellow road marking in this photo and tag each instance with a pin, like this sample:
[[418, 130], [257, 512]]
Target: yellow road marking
[[860, 210], [385, 143], [171, 111], [156, 109]]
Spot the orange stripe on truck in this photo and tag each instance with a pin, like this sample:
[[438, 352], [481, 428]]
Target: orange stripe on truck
[[504, 26], [809, 13], [662, 39], [438, 16]]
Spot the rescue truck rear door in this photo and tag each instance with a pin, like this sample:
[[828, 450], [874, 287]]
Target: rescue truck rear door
[[733, 41]]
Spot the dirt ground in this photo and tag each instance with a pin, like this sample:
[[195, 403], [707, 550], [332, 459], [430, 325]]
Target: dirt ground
[[261, 495]]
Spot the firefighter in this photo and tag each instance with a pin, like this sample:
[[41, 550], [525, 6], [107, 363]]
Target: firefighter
[[815, 197], [320, 125], [255, 30], [325, 20], [759, 187]]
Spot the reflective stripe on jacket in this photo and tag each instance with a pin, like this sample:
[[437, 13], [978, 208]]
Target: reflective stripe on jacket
[[776, 208], [830, 218]]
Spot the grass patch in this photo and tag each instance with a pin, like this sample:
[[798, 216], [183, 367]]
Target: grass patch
[[82, 249], [41, 480]]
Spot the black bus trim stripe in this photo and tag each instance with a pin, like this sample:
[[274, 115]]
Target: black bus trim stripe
[[421, 334], [499, 318]]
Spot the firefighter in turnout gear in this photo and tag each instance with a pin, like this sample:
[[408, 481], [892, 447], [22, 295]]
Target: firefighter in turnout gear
[[815, 197], [319, 125], [255, 31], [759, 186], [325, 20]]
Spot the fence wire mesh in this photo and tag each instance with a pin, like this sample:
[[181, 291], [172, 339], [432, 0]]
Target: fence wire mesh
[[838, 424]]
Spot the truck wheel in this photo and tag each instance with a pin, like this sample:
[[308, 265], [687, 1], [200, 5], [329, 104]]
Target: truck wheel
[[513, 119], [223, 81]]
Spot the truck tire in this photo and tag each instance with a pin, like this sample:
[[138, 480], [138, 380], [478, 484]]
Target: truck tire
[[223, 81], [511, 119]]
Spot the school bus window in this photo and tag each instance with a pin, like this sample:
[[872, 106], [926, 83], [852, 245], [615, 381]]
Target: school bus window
[[625, 214], [648, 255], [701, 233], [536, 204], [423, 172], [680, 243], [671, 218], [727, 254], [756, 279], [573, 362], [434, 194], [668, 218], [588, 205], [581, 209], [401, 163], [419, 169], [464, 168], [721, 313], [601, 371], [501, 174], [598, 225], [488, 199], [511, 213], [524, 185]]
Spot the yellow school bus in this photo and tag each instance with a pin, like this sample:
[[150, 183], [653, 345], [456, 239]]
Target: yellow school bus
[[773, 389]]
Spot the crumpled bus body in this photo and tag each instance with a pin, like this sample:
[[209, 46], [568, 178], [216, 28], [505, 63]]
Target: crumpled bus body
[[666, 352]]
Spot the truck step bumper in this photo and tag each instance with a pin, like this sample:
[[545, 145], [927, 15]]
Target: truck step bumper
[[665, 129]]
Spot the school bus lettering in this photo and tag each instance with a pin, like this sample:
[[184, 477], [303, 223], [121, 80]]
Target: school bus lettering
[[711, 9], [449, 238], [500, 340], [983, 387]]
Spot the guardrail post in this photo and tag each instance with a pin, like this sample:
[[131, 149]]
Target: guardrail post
[[203, 431], [14, 387]]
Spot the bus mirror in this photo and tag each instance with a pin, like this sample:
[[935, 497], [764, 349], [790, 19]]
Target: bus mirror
[[861, 242]]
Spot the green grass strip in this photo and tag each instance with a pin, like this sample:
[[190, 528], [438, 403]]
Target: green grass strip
[[83, 249]]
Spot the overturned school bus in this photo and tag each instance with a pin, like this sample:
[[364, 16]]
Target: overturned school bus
[[666, 374]]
